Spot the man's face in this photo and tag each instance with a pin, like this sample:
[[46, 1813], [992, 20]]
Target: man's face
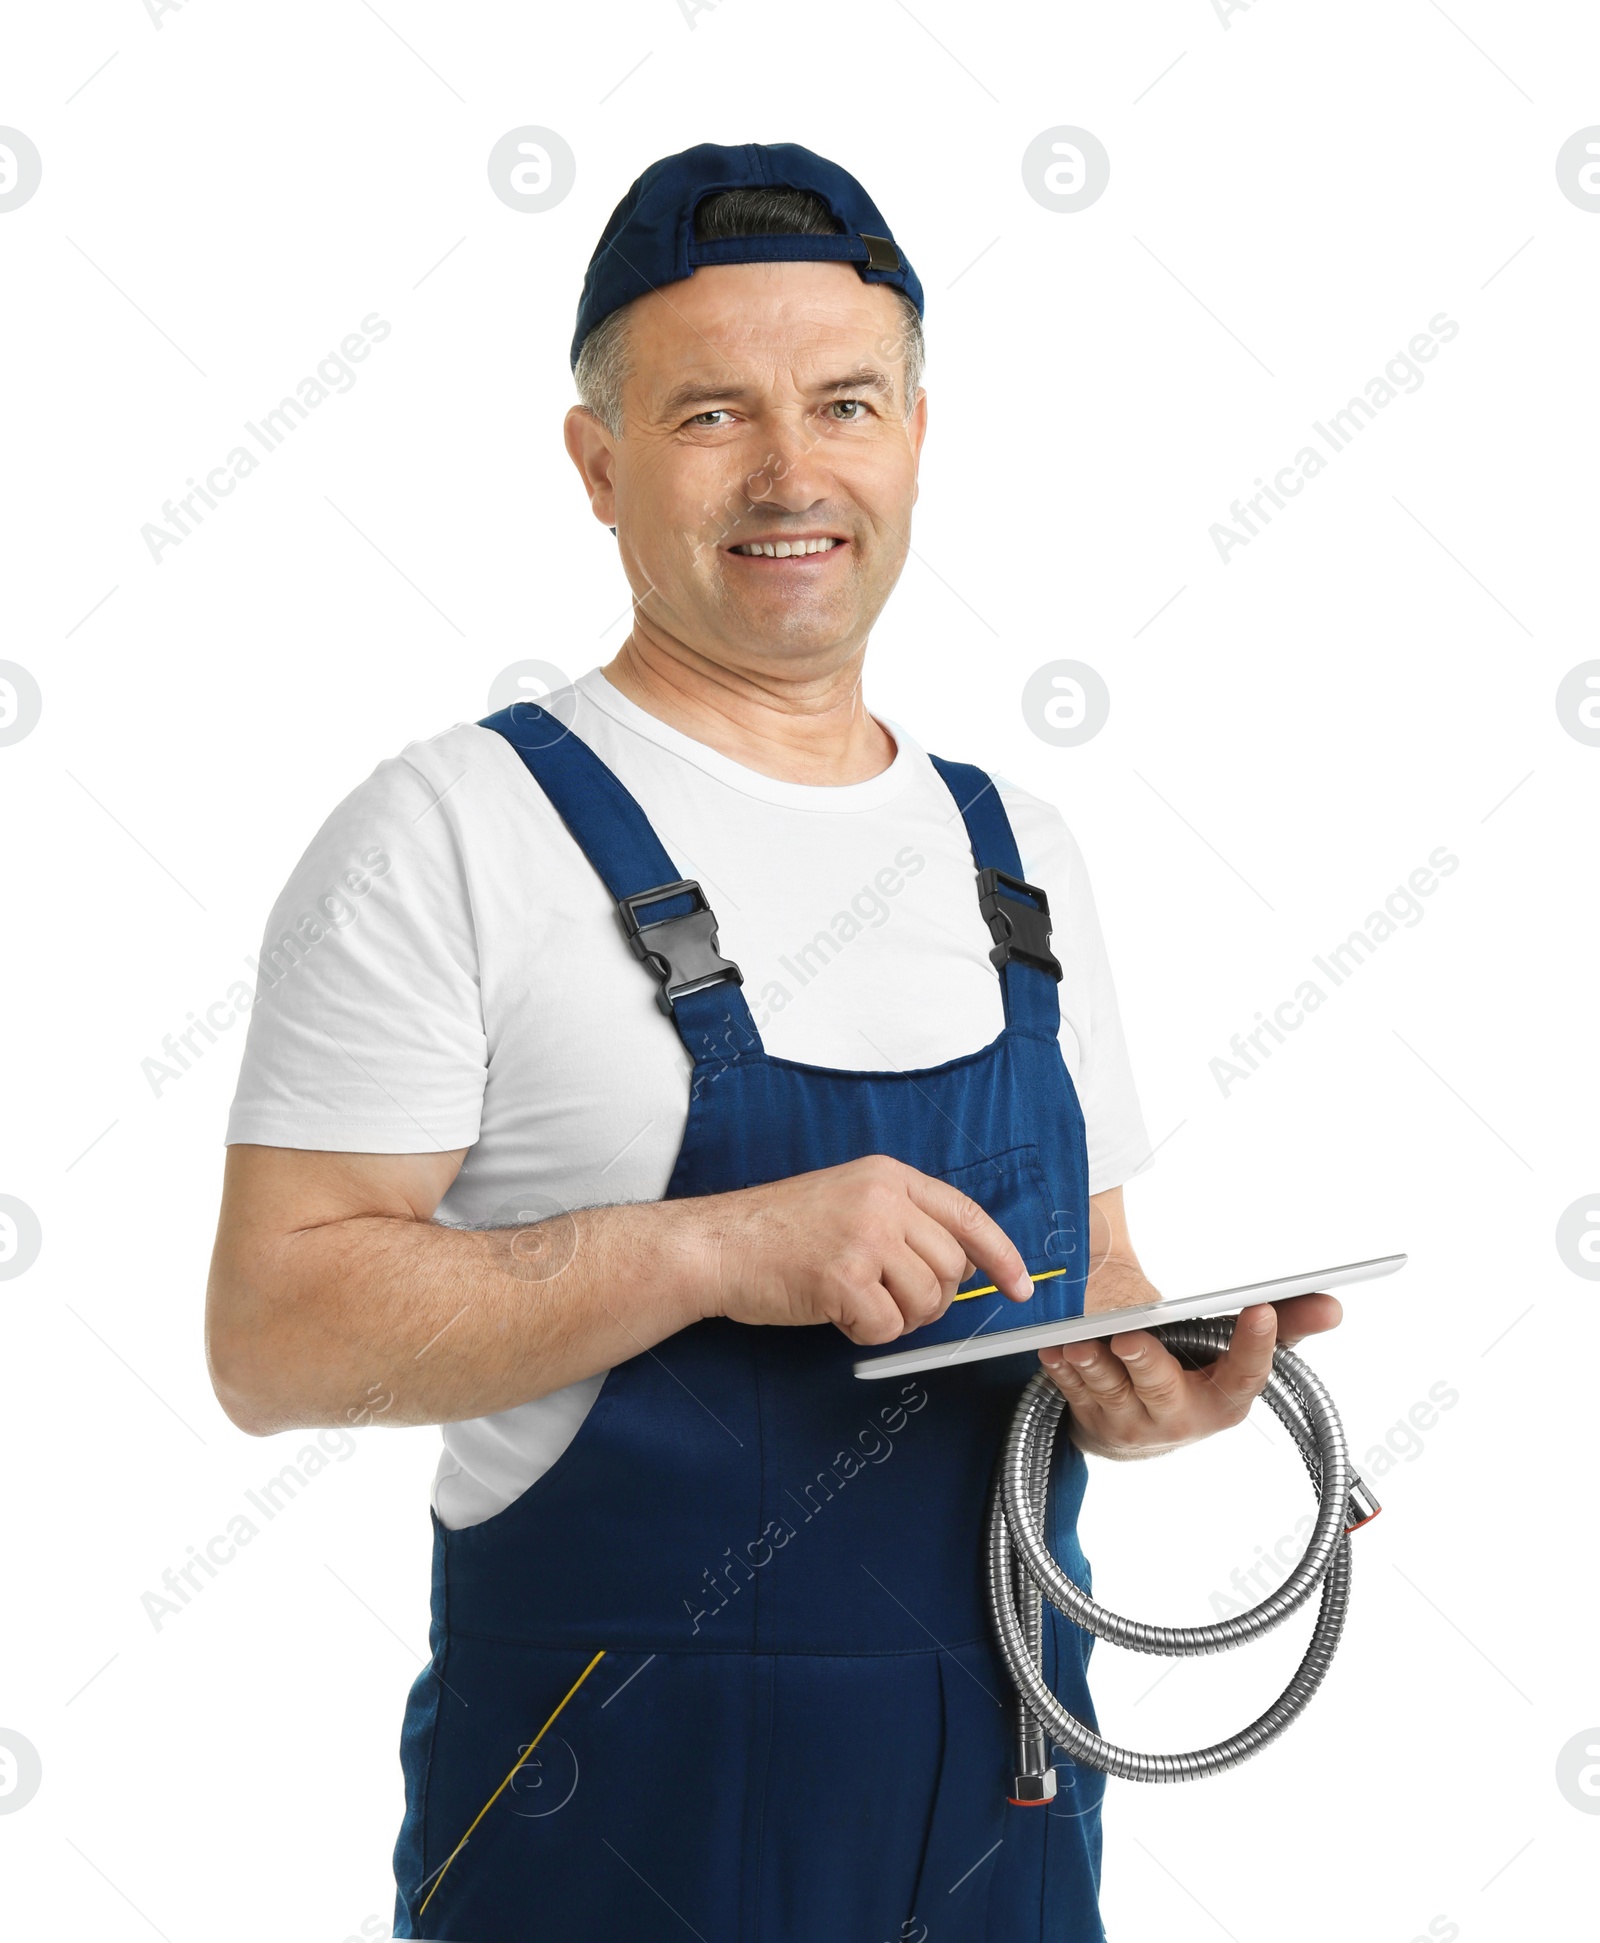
[[764, 408]]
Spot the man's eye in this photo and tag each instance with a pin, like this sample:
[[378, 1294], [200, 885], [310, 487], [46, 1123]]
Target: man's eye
[[711, 417], [849, 410]]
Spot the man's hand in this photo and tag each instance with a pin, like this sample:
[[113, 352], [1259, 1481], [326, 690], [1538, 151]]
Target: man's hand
[[873, 1247], [1128, 1395]]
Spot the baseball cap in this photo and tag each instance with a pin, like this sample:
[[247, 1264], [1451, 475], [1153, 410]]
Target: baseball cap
[[650, 238]]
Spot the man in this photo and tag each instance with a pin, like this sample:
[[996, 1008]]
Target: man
[[613, 1174]]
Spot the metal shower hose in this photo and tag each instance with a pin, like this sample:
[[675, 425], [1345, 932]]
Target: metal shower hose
[[1023, 1574]]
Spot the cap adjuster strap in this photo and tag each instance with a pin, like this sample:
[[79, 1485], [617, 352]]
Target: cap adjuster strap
[[680, 949], [1020, 930], [877, 253]]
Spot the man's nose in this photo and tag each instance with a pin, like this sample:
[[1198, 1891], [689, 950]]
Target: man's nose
[[793, 475]]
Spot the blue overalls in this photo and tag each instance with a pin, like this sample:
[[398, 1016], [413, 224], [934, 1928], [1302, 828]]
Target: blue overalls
[[799, 1730]]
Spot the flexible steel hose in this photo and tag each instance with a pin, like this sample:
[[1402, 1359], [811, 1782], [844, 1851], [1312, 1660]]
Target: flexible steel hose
[[1023, 1574]]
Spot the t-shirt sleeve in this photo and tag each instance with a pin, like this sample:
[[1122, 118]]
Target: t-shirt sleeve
[[1093, 1042], [366, 1031]]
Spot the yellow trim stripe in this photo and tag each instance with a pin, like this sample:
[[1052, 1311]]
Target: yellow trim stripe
[[965, 1296], [1044, 1275], [507, 1782]]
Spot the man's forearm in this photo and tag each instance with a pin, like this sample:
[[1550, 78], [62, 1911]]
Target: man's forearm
[[1116, 1281], [392, 1317], [336, 1299]]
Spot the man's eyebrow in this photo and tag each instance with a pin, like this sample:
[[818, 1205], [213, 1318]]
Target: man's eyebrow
[[868, 378], [698, 392]]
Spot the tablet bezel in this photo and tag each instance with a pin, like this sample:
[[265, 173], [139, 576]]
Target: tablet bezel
[[1113, 1322]]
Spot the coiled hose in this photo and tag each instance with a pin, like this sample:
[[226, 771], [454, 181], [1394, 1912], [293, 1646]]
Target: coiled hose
[[1023, 1574]]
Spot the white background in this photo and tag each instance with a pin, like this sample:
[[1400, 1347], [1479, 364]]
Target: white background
[[1370, 678]]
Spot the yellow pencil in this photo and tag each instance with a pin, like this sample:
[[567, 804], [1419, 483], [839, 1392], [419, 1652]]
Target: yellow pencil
[[1044, 1275]]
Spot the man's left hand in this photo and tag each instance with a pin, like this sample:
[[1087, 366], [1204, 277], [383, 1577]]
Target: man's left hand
[[1129, 1396]]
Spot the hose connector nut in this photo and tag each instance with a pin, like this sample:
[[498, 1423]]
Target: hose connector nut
[[1362, 1506], [1032, 1790]]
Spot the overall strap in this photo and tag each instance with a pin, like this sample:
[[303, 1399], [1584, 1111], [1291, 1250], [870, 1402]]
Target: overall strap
[[667, 919], [1016, 912]]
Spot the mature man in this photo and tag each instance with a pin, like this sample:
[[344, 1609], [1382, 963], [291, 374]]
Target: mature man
[[612, 1174]]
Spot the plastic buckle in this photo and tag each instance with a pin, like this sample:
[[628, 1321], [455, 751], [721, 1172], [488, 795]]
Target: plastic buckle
[[881, 253], [681, 951], [1019, 930]]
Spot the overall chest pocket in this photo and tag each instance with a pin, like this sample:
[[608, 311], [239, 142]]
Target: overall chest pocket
[[1012, 1189]]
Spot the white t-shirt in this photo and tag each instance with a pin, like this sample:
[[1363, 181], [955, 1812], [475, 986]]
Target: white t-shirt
[[445, 969]]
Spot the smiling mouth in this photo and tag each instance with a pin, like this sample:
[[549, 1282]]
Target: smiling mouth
[[808, 548]]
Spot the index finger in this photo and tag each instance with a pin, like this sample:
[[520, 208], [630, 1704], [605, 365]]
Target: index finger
[[987, 1244]]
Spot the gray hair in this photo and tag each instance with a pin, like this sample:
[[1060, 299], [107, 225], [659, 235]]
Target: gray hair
[[603, 366]]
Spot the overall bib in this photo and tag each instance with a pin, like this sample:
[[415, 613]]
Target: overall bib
[[797, 1729]]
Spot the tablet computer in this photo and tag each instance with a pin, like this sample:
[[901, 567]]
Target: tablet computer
[[984, 1342]]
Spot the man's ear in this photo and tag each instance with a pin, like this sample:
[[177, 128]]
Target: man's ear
[[919, 431], [592, 450]]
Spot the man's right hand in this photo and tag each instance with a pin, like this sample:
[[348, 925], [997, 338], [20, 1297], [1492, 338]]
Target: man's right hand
[[874, 1247]]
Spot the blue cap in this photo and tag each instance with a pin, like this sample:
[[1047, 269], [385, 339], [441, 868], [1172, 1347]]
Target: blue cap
[[650, 238]]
